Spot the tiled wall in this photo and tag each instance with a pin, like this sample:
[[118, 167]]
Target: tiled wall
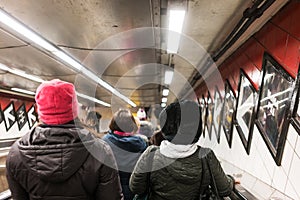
[[280, 37]]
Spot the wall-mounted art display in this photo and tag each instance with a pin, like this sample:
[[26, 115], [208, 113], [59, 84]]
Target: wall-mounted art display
[[9, 115], [245, 110], [1, 115], [203, 107], [296, 107], [21, 116], [217, 118], [229, 107], [209, 116], [274, 105]]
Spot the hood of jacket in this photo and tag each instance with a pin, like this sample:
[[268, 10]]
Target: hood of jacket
[[56, 152]]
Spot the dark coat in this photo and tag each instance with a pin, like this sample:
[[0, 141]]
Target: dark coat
[[127, 150], [62, 162], [181, 178]]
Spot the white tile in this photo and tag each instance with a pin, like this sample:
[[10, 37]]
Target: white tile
[[297, 147], [287, 157], [292, 136], [294, 175], [248, 181], [262, 190], [279, 196], [279, 179], [290, 191]]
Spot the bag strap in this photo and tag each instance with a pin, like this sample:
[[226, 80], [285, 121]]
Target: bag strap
[[214, 185], [152, 153]]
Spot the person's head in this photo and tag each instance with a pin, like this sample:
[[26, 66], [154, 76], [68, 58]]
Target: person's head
[[146, 128], [56, 102], [123, 121], [181, 122]]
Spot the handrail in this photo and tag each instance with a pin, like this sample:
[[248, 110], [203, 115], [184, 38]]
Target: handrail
[[243, 194]]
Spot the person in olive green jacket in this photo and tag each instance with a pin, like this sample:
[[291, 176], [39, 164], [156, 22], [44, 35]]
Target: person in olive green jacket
[[176, 169]]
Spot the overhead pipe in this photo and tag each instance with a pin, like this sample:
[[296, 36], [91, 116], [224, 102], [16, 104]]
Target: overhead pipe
[[250, 14]]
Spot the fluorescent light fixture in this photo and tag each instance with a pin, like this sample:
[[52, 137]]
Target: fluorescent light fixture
[[176, 18], [163, 105], [168, 77], [23, 91], [164, 99], [165, 92], [19, 27], [68, 59], [93, 99], [21, 73], [25, 31]]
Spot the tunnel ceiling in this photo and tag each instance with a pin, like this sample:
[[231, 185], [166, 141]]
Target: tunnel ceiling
[[122, 42]]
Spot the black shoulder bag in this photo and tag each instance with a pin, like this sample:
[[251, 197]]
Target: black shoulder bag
[[211, 191], [146, 195]]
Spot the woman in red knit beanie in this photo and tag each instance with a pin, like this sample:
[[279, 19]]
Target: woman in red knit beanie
[[59, 159]]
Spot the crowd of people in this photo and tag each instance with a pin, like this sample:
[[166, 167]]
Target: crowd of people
[[61, 159]]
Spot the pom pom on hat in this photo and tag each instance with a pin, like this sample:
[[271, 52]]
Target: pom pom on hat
[[141, 114], [56, 102]]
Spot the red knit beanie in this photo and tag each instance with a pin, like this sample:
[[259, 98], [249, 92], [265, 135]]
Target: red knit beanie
[[57, 102]]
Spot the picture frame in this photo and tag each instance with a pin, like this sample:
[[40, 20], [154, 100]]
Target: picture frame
[[1, 115], [217, 117], [273, 111], [9, 111], [22, 116], [229, 107], [203, 107], [245, 110], [209, 116], [295, 120]]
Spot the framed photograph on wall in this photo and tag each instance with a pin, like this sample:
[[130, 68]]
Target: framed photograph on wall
[[203, 107], [229, 107], [272, 117], [209, 116], [217, 117], [295, 107], [245, 110]]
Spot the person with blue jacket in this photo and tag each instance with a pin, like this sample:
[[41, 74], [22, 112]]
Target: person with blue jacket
[[126, 147]]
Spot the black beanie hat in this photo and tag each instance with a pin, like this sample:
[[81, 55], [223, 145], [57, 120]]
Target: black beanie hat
[[181, 122]]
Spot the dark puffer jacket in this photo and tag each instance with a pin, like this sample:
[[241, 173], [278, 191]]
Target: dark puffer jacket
[[181, 178], [62, 162]]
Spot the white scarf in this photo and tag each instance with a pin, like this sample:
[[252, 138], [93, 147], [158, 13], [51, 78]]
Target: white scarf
[[171, 150]]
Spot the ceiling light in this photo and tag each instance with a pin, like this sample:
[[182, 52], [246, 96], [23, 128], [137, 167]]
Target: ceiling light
[[23, 91], [168, 77], [176, 18], [93, 99], [165, 92], [25, 31], [164, 99], [19, 27], [21, 73]]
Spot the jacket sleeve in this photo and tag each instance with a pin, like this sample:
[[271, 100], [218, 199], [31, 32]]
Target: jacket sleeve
[[224, 183], [17, 191], [138, 179], [109, 187]]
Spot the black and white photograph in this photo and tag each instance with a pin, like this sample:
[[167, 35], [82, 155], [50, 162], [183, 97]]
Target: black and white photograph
[[203, 107], [209, 116], [245, 111], [217, 117], [21, 116], [229, 106], [274, 106], [295, 105]]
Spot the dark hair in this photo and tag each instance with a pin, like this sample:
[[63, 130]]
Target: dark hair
[[123, 121], [181, 122]]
